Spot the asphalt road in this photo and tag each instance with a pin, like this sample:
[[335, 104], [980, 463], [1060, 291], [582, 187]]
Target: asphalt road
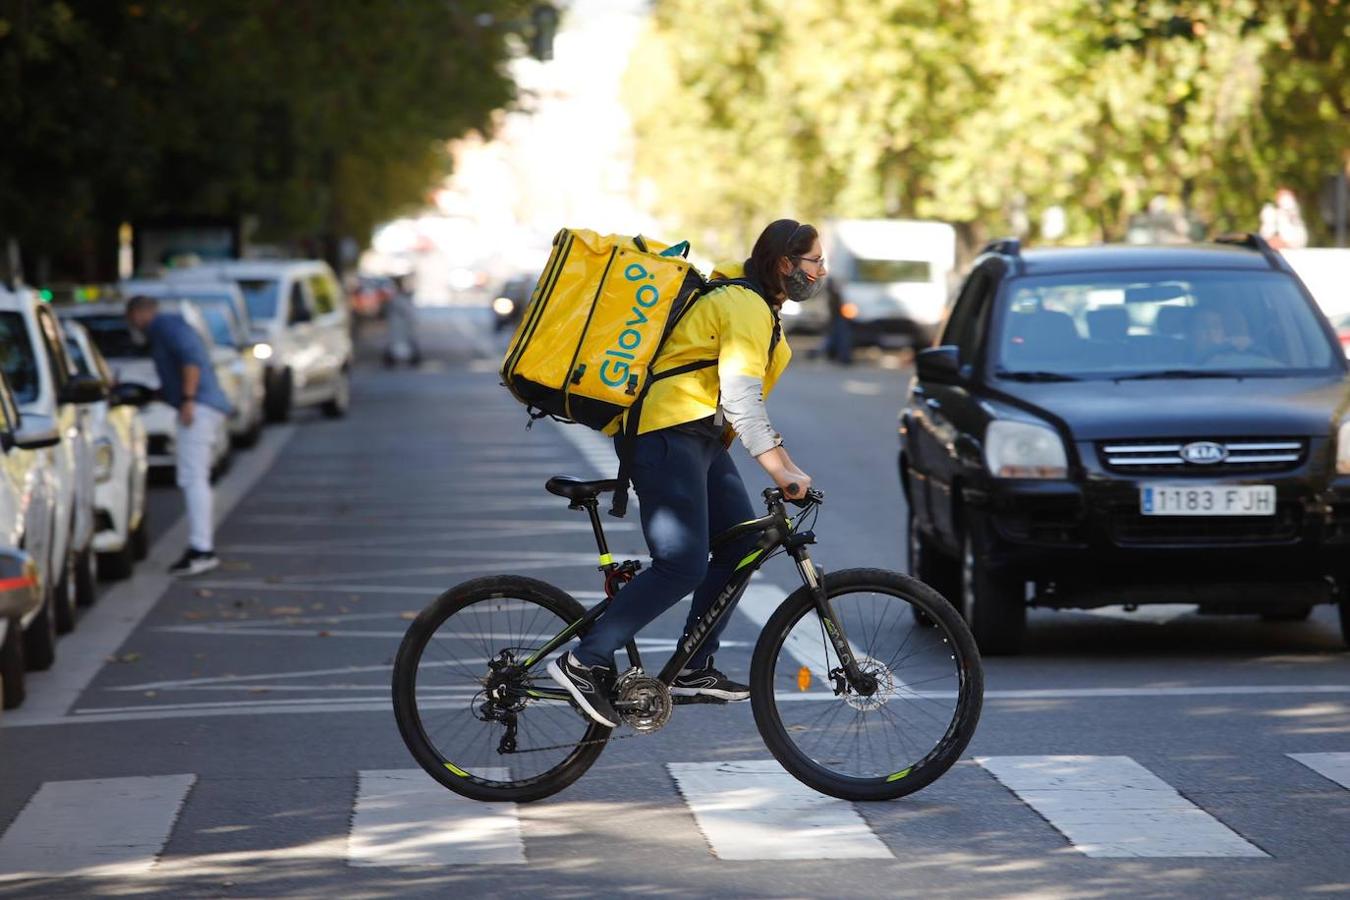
[[232, 736]]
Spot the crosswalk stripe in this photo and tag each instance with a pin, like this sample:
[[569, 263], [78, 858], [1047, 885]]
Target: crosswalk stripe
[[755, 810], [403, 818], [1335, 766], [95, 828], [1111, 806]]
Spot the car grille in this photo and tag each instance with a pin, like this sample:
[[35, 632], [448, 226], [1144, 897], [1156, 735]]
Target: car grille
[[1128, 527], [1244, 455]]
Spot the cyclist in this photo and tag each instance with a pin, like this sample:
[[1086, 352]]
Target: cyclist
[[687, 485]]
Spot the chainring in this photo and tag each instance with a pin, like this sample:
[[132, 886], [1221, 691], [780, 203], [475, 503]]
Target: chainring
[[643, 703]]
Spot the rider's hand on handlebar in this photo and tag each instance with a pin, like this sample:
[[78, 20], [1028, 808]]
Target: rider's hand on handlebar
[[793, 482]]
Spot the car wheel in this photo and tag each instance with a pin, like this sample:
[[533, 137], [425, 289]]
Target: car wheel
[[119, 564], [931, 566], [336, 408], [12, 687], [39, 638], [86, 579], [278, 397], [993, 601], [140, 536], [251, 437], [63, 599]]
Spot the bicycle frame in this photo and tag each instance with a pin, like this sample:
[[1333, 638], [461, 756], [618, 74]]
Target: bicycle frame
[[777, 531]]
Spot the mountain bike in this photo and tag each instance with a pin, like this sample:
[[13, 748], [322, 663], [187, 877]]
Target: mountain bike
[[865, 684]]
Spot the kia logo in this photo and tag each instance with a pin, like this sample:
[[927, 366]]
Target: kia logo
[[1204, 453]]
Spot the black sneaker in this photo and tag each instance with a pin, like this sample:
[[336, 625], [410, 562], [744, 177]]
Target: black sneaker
[[194, 562], [708, 682], [590, 686]]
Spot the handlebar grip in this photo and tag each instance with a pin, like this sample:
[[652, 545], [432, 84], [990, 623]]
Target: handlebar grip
[[793, 488]]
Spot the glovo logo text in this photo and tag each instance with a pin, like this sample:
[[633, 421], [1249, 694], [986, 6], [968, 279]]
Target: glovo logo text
[[614, 371]]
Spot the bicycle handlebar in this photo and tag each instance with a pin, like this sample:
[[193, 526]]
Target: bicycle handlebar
[[777, 495]]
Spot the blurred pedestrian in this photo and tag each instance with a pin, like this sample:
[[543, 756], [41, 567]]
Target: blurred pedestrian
[[839, 336], [401, 318], [1282, 222], [187, 382]]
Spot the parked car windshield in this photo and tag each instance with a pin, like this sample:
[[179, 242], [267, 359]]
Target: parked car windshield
[[112, 335], [1160, 324], [261, 296], [888, 271], [17, 359], [218, 322]]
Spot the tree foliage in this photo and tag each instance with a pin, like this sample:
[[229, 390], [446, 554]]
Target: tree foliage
[[986, 112], [317, 117]]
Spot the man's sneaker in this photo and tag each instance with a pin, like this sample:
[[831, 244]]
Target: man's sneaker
[[194, 562], [708, 682], [588, 685]]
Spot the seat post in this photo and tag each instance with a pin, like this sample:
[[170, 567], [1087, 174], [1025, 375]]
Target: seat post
[[592, 507]]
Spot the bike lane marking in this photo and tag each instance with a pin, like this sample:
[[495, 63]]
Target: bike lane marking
[[99, 827], [753, 810], [1112, 807], [403, 818], [1333, 766]]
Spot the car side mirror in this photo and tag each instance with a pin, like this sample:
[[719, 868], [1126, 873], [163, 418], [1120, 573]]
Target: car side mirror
[[941, 365], [84, 389], [129, 393]]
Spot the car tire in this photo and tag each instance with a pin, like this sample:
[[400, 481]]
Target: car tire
[[993, 600], [12, 679], [277, 400], [337, 407], [64, 596], [251, 437], [931, 566], [39, 638], [118, 564], [86, 579], [140, 537]]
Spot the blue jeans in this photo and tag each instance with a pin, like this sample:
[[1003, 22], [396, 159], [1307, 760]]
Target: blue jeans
[[689, 491]]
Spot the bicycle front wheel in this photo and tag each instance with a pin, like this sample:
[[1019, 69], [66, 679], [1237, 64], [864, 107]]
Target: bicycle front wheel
[[900, 738], [464, 692]]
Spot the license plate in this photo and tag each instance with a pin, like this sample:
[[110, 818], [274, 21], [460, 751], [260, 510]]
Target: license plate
[[1207, 500]]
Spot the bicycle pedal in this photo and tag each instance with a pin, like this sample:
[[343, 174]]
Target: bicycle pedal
[[681, 700]]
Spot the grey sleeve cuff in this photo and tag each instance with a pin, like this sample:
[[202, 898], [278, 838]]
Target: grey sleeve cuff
[[743, 403]]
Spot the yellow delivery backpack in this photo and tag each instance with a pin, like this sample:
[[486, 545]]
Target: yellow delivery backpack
[[595, 322]]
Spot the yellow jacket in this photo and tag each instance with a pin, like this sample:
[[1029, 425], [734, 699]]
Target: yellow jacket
[[731, 324]]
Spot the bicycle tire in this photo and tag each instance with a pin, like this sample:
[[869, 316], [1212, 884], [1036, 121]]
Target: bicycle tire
[[457, 775], [905, 776]]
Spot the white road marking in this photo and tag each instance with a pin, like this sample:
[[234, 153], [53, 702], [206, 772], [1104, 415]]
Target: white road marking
[[99, 828], [755, 810], [403, 818], [862, 388], [1335, 766], [105, 627], [1112, 807]]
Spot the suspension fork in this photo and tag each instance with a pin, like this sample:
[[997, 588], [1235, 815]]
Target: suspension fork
[[814, 579]]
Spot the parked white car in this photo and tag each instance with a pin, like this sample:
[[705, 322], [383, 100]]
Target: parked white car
[[225, 311], [27, 551], [130, 361], [300, 321], [50, 393], [120, 464]]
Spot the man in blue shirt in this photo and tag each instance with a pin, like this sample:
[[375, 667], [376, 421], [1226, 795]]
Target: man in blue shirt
[[187, 382]]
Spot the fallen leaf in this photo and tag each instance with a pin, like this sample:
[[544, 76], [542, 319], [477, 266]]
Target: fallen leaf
[[194, 615], [128, 657], [152, 693], [325, 634], [407, 616], [205, 592], [286, 610]]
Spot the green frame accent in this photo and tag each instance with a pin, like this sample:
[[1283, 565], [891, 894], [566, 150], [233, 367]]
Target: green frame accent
[[901, 774], [457, 770]]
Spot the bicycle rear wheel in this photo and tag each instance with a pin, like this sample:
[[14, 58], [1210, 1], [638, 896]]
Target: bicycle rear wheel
[[461, 694], [905, 735]]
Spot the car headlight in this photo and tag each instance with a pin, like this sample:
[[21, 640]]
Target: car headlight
[[103, 460], [1343, 449], [262, 351], [1024, 450], [503, 306]]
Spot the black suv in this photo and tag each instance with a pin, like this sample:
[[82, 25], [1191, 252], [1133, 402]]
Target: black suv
[[1126, 424]]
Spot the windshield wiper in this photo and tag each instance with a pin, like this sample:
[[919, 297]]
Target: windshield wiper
[[1167, 374], [1034, 376]]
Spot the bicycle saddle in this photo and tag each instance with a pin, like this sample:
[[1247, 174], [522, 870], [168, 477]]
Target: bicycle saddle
[[575, 489]]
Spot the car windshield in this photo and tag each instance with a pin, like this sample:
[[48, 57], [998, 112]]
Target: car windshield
[[1206, 324], [218, 321], [889, 271], [112, 335], [261, 296], [17, 359], [76, 354]]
